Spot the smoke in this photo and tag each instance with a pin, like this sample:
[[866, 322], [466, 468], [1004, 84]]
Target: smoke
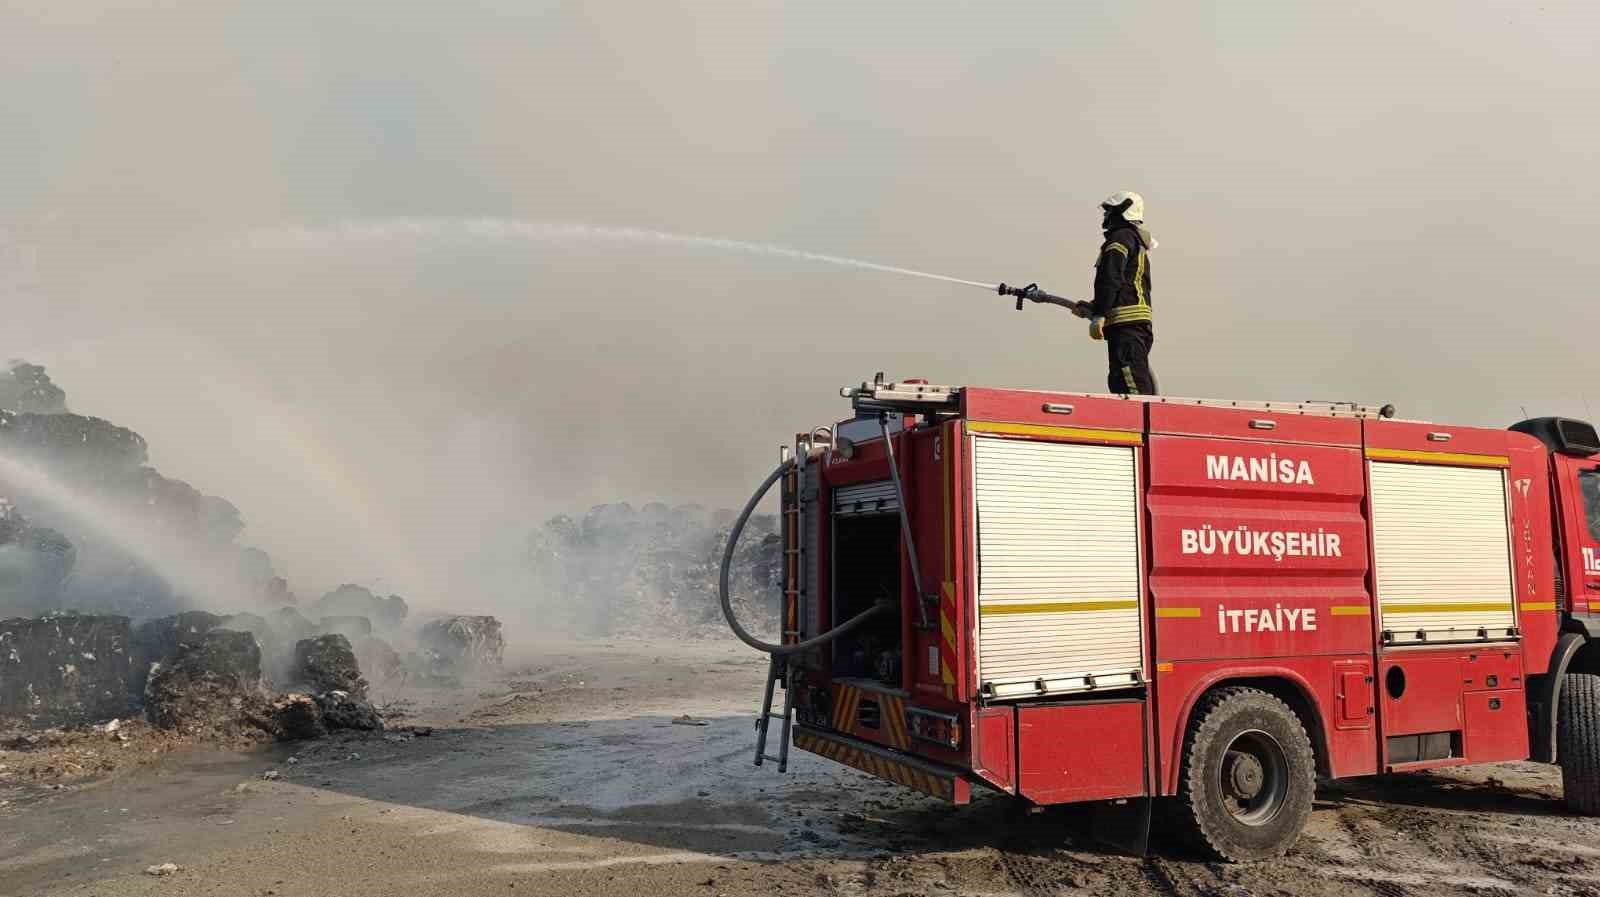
[[103, 532], [297, 259]]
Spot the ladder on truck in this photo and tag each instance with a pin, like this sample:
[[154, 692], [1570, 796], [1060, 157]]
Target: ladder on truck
[[777, 671], [793, 558]]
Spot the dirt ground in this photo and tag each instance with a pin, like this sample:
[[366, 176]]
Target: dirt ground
[[570, 778]]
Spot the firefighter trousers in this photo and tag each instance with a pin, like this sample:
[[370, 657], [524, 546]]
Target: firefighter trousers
[[1128, 352]]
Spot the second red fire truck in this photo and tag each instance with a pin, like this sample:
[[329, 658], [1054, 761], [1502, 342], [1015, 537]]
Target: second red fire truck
[[1082, 598]]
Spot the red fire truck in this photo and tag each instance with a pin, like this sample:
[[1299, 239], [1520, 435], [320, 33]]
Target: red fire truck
[[1089, 598]]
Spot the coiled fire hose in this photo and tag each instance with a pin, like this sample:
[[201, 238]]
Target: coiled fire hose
[[727, 598]]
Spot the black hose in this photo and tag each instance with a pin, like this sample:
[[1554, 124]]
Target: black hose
[[727, 600]]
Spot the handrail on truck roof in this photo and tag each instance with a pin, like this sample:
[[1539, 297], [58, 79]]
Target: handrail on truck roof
[[881, 395]]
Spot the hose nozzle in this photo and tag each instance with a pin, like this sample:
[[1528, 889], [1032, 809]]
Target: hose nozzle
[[1020, 292]]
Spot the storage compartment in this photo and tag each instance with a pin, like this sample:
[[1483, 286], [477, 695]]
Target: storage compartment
[[866, 571], [1497, 727], [1058, 567], [1421, 694], [1077, 752], [1486, 670], [1425, 747], [996, 748], [1352, 680], [1441, 544]]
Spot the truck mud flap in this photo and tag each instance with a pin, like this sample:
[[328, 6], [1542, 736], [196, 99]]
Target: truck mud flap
[[930, 778], [1124, 825]]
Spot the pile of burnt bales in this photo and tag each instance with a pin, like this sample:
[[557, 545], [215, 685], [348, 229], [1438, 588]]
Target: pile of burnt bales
[[242, 675], [621, 570], [212, 680], [186, 673], [463, 646], [351, 600]]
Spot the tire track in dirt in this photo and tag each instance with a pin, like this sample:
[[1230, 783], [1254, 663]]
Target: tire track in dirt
[[1156, 873]]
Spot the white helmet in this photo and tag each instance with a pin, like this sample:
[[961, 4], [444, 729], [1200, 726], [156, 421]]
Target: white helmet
[[1135, 202]]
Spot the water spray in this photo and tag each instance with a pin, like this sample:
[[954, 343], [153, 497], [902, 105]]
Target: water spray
[[338, 237], [161, 553]]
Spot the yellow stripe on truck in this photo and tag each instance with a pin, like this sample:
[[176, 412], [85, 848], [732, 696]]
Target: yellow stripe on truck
[[1178, 612], [1002, 429], [1383, 454]]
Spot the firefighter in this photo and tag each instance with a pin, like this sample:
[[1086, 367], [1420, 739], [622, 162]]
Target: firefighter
[[1120, 313]]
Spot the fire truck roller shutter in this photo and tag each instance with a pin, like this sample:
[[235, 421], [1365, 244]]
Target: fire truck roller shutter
[[1058, 567], [1441, 541], [866, 498]]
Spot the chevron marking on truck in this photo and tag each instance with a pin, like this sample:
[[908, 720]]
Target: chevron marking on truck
[[882, 767], [891, 713]]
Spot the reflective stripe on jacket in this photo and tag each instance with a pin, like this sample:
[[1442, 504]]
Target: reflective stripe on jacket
[[1122, 278]]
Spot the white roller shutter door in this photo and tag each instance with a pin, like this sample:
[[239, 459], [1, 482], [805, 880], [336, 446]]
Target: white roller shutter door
[[1058, 567], [1442, 547]]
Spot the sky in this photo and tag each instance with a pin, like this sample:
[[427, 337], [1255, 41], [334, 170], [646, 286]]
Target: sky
[[306, 249]]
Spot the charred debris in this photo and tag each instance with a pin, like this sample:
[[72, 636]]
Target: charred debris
[[91, 634]]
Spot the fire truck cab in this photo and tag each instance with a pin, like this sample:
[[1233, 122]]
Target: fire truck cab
[[1089, 598]]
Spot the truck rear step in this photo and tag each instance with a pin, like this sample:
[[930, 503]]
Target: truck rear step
[[930, 778]]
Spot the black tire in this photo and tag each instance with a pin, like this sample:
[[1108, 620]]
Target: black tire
[[1248, 776], [1578, 742]]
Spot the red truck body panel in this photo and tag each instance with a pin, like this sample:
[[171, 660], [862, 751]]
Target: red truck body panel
[[1257, 565]]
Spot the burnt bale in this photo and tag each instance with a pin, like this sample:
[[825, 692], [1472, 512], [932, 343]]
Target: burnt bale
[[351, 627], [254, 624], [328, 663], [463, 644], [296, 716], [276, 656], [64, 669], [342, 710], [378, 660], [160, 640], [211, 686], [356, 601], [291, 625]]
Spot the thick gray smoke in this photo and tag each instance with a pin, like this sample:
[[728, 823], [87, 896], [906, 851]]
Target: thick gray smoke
[[1368, 202]]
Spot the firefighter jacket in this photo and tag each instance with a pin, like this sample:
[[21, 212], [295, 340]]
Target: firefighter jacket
[[1122, 277]]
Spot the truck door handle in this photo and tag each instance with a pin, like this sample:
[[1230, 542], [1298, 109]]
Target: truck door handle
[[1591, 585]]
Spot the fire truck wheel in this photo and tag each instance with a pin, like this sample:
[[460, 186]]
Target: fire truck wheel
[[1248, 776], [1578, 742]]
